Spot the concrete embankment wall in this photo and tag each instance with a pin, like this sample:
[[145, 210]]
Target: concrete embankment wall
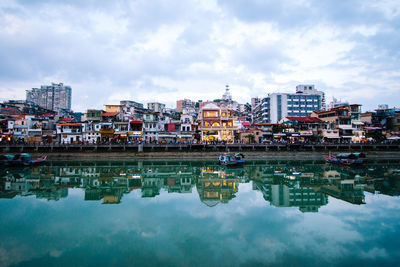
[[200, 151]]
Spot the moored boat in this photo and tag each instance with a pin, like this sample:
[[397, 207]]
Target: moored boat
[[230, 159], [346, 159], [23, 159]]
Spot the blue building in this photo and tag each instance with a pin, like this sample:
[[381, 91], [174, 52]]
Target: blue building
[[276, 106]]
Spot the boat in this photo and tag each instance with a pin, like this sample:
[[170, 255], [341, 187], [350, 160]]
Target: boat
[[23, 159], [346, 159], [230, 159]]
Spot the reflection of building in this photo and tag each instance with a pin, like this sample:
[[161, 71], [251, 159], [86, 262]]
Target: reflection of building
[[215, 186], [344, 189], [151, 186], [283, 184], [281, 195]]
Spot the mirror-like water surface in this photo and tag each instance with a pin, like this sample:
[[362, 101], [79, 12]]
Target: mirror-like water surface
[[198, 213]]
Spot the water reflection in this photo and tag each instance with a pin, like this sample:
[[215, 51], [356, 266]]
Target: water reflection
[[302, 184]]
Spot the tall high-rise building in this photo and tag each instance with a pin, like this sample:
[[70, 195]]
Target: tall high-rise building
[[277, 106], [54, 97], [254, 102]]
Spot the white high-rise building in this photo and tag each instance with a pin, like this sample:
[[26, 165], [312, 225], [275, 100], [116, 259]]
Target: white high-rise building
[[280, 105]]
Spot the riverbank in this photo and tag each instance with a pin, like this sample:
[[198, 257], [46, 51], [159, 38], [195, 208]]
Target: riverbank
[[253, 155]]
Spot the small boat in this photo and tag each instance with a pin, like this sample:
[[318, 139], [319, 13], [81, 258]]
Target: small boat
[[20, 160], [230, 159], [346, 159]]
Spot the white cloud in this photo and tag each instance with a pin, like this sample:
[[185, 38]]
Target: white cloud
[[166, 50]]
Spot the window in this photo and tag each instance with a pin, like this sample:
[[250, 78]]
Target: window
[[211, 114]]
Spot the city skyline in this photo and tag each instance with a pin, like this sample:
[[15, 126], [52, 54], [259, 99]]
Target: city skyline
[[166, 51]]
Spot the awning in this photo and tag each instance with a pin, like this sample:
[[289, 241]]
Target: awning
[[279, 134], [357, 123], [332, 137], [166, 135], [347, 136], [295, 135]]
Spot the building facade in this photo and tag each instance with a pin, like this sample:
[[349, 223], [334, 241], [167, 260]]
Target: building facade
[[156, 107], [280, 105], [132, 109], [185, 104], [217, 123], [53, 97]]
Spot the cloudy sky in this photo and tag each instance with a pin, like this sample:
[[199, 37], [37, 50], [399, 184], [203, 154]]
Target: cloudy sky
[[167, 50]]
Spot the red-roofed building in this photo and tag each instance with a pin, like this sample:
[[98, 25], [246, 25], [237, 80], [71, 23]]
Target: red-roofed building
[[66, 120], [303, 119], [246, 124], [111, 116], [135, 130], [346, 119]]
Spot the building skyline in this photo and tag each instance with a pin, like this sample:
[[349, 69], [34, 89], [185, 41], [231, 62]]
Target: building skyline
[[56, 96]]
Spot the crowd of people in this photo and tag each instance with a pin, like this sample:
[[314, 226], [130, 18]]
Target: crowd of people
[[280, 141]]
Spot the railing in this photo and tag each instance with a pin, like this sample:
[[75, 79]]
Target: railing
[[149, 147]]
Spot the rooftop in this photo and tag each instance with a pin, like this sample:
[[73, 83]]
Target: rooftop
[[304, 119]]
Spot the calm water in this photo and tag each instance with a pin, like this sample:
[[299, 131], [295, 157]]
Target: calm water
[[196, 213]]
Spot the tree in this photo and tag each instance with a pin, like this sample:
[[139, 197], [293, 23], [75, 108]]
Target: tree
[[250, 138]]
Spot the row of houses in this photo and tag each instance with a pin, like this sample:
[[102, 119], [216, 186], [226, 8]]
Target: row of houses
[[219, 121]]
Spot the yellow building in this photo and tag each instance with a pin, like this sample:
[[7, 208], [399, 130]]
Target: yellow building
[[216, 123], [113, 108]]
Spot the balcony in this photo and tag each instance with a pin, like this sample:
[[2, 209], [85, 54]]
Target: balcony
[[74, 131], [17, 126], [93, 118]]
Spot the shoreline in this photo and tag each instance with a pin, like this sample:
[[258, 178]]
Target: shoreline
[[252, 155]]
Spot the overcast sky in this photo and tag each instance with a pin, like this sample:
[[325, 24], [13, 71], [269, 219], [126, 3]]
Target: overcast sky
[[154, 50]]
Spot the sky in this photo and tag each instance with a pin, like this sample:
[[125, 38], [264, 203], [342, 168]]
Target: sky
[[162, 51]]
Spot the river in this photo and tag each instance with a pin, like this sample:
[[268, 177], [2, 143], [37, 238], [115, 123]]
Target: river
[[197, 213]]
